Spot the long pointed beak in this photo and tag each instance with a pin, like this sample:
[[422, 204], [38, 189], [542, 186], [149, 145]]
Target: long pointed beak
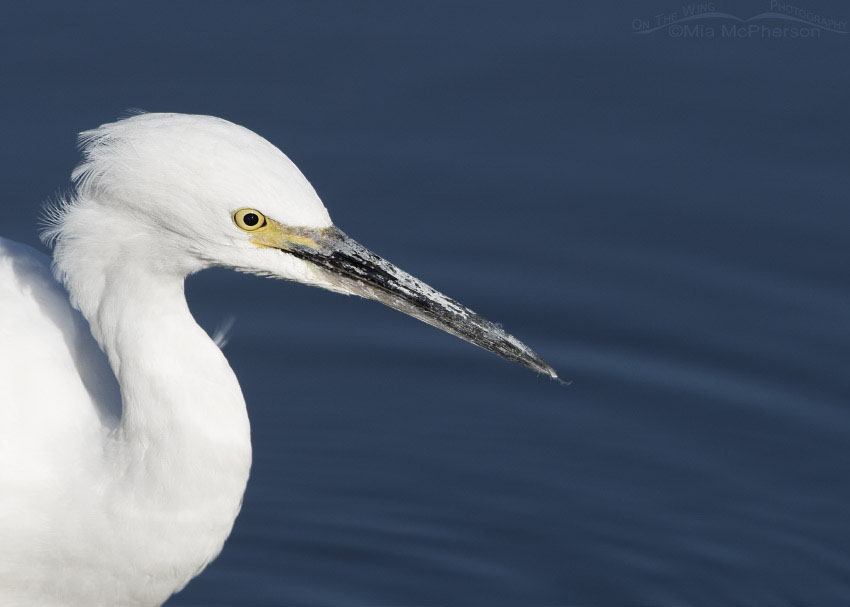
[[349, 266]]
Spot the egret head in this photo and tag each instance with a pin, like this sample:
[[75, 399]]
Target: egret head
[[175, 193]]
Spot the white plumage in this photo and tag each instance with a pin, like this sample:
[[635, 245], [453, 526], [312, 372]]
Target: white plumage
[[124, 437]]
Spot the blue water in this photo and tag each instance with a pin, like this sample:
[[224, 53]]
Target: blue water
[[665, 220]]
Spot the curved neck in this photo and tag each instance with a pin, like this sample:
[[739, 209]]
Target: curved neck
[[184, 433], [127, 281], [178, 461], [176, 386]]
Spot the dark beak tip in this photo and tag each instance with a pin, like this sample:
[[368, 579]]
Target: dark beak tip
[[541, 367], [551, 373]]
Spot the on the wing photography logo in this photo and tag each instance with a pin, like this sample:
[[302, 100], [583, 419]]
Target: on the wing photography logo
[[703, 20]]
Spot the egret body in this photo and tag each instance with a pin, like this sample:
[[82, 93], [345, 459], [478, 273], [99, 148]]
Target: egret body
[[124, 438]]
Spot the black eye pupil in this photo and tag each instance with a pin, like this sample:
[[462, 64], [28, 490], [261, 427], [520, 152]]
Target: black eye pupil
[[250, 219]]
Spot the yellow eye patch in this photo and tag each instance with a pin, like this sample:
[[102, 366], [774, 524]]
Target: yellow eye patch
[[269, 233], [249, 219]]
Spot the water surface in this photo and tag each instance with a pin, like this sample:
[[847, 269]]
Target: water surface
[[664, 220]]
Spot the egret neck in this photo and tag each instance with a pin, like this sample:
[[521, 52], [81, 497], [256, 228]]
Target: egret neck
[[181, 454]]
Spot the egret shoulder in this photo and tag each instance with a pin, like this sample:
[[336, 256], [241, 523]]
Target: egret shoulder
[[48, 357]]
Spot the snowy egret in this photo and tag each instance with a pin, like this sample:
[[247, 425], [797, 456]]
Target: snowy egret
[[124, 440]]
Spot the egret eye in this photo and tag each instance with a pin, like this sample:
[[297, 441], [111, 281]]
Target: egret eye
[[249, 219]]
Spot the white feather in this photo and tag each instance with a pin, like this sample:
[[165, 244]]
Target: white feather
[[111, 498]]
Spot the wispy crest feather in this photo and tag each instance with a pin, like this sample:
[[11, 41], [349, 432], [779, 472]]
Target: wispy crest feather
[[55, 210], [52, 216]]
